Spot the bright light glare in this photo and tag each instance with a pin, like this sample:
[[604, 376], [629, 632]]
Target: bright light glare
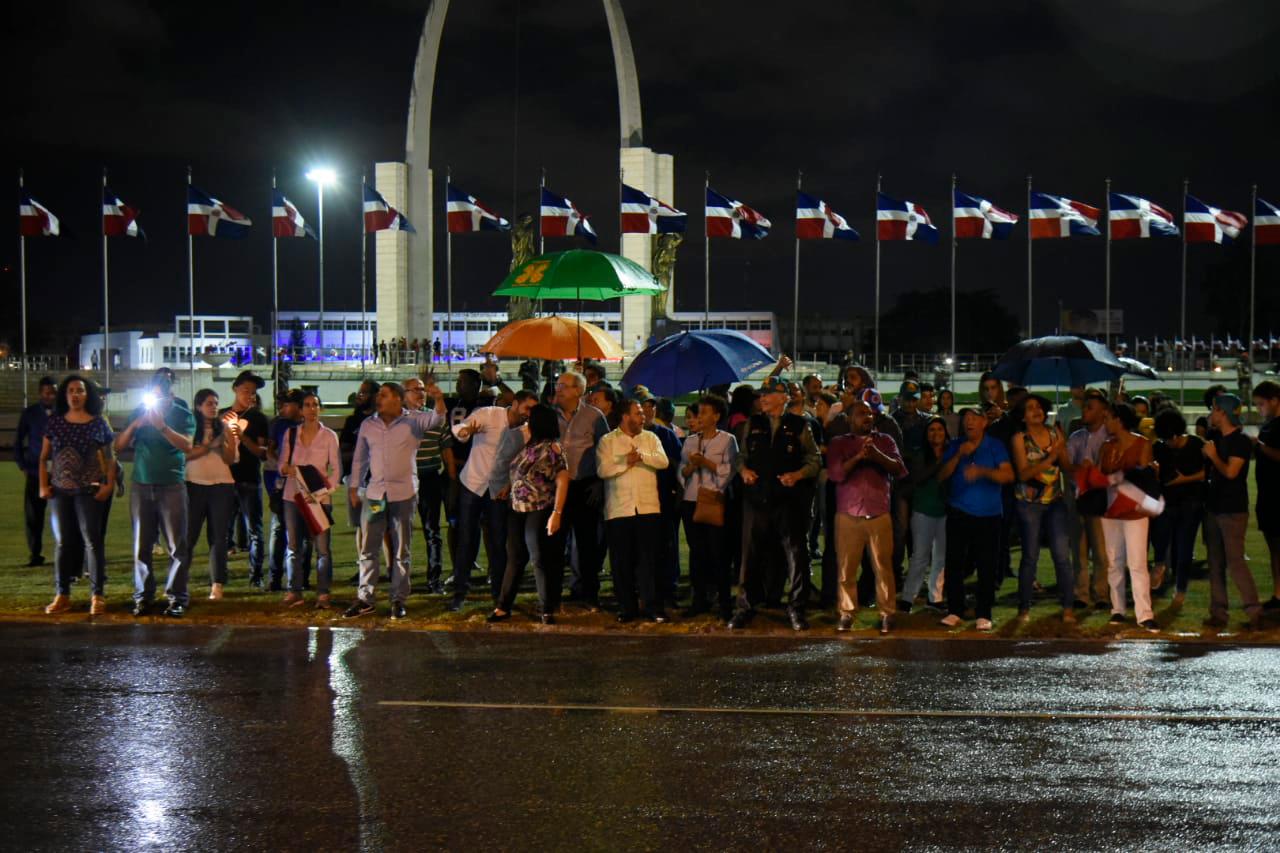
[[323, 176], [150, 399]]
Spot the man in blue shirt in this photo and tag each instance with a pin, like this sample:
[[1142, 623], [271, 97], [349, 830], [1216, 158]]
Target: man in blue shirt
[[27, 452], [974, 467], [386, 450]]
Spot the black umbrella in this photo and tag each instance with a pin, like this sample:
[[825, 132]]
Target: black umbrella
[[1058, 360]]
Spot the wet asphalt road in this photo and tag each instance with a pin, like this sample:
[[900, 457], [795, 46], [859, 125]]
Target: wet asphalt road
[[181, 737]]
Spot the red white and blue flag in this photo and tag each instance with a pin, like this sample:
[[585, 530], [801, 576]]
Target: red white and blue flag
[[1208, 224], [380, 216], [1266, 223], [285, 219], [903, 220], [466, 214], [35, 220], [1056, 216], [815, 220], [118, 218], [1135, 218], [644, 214], [208, 217], [978, 218], [729, 218], [561, 218]]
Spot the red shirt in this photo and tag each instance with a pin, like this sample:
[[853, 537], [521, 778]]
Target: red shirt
[[864, 490]]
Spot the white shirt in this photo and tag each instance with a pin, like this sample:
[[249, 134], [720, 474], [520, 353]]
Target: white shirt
[[210, 469], [634, 490], [485, 428], [722, 449]]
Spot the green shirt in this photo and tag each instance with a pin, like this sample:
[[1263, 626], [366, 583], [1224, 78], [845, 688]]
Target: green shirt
[[156, 462], [928, 496], [434, 441]]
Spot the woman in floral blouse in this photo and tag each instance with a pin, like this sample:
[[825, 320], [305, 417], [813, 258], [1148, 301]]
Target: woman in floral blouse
[[539, 487], [78, 475]]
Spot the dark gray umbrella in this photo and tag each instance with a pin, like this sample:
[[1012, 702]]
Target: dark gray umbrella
[[1058, 360]]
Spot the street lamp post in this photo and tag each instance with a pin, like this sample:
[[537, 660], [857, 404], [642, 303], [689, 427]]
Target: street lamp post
[[322, 177]]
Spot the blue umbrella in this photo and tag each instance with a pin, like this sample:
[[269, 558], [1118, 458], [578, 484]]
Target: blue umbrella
[[691, 361], [1058, 360]]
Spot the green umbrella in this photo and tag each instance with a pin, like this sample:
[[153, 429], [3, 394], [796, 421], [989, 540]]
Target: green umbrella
[[579, 274]]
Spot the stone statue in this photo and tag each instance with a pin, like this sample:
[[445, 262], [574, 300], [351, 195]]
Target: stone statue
[[663, 261], [524, 244]]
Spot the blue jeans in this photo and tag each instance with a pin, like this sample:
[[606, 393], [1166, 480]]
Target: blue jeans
[[249, 508], [159, 510], [215, 504], [928, 551], [77, 529], [299, 537], [1053, 517], [396, 520], [1182, 520]]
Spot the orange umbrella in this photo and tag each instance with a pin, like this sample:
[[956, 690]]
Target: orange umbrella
[[552, 338]]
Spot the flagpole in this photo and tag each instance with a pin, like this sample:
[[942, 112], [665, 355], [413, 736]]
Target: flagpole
[[1029, 302], [1253, 270], [1182, 374], [22, 281], [106, 311], [275, 299], [364, 309], [876, 323], [191, 298], [448, 268], [953, 270], [706, 256], [795, 302], [1106, 319], [542, 185]]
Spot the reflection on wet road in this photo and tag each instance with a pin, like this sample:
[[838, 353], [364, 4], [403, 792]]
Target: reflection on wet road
[[160, 737]]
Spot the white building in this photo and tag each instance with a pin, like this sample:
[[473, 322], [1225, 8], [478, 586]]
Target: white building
[[151, 347]]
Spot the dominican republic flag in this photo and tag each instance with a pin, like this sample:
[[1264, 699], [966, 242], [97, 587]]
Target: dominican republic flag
[[728, 218], [815, 220], [1208, 224], [977, 217], [1056, 216], [1266, 223], [1131, 494], [644, 214], [903, 220], [118, 218], [35, 220], [466, 214], [208, 217], [380, 216], [1134, 218], [561, 218], [285, 219]]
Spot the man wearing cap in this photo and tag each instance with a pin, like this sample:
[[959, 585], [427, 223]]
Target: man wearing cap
[[976, 466], [778, 464], [1084, 447], [1227, 500], [247, 471]]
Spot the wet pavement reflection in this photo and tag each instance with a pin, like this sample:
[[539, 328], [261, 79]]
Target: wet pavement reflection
[[173, 738]]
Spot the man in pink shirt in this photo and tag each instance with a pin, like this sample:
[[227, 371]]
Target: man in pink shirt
[[863, 464]]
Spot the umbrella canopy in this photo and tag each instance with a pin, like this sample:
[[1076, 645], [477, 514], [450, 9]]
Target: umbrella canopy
[[691, 361], [578, 274], [1058, 360], [552, 338], [1137, 368]]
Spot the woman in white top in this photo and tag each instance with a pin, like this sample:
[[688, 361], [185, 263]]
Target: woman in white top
[[706, 462], [211, 491], [314, 444]]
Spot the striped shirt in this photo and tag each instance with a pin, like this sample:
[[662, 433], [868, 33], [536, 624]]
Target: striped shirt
[[429, 457]]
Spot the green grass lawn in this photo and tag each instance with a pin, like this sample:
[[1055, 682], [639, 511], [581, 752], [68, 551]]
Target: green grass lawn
[[25, 591]]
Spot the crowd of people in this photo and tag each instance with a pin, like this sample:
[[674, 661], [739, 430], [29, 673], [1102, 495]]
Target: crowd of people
[[900, 501]]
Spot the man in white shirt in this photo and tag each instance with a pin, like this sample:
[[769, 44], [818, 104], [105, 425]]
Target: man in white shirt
[[485, 428], [627, 461]]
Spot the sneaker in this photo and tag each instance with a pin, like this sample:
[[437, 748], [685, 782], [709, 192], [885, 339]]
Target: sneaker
[[215, 592], [984, 625], [323, 602], [175, 610], [1151, 625], [397, 610], [293, 599], [1179, 598], [951, 620], [1116, 618], [60, 604], [497, 616], [845, 623], [97, 606], [141, 608], [359, 607], [1024, 616]]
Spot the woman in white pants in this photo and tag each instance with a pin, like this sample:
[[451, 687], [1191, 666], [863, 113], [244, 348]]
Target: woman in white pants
[[1126, 538]]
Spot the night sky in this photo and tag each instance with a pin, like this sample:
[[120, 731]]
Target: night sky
[[1144, 91]]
